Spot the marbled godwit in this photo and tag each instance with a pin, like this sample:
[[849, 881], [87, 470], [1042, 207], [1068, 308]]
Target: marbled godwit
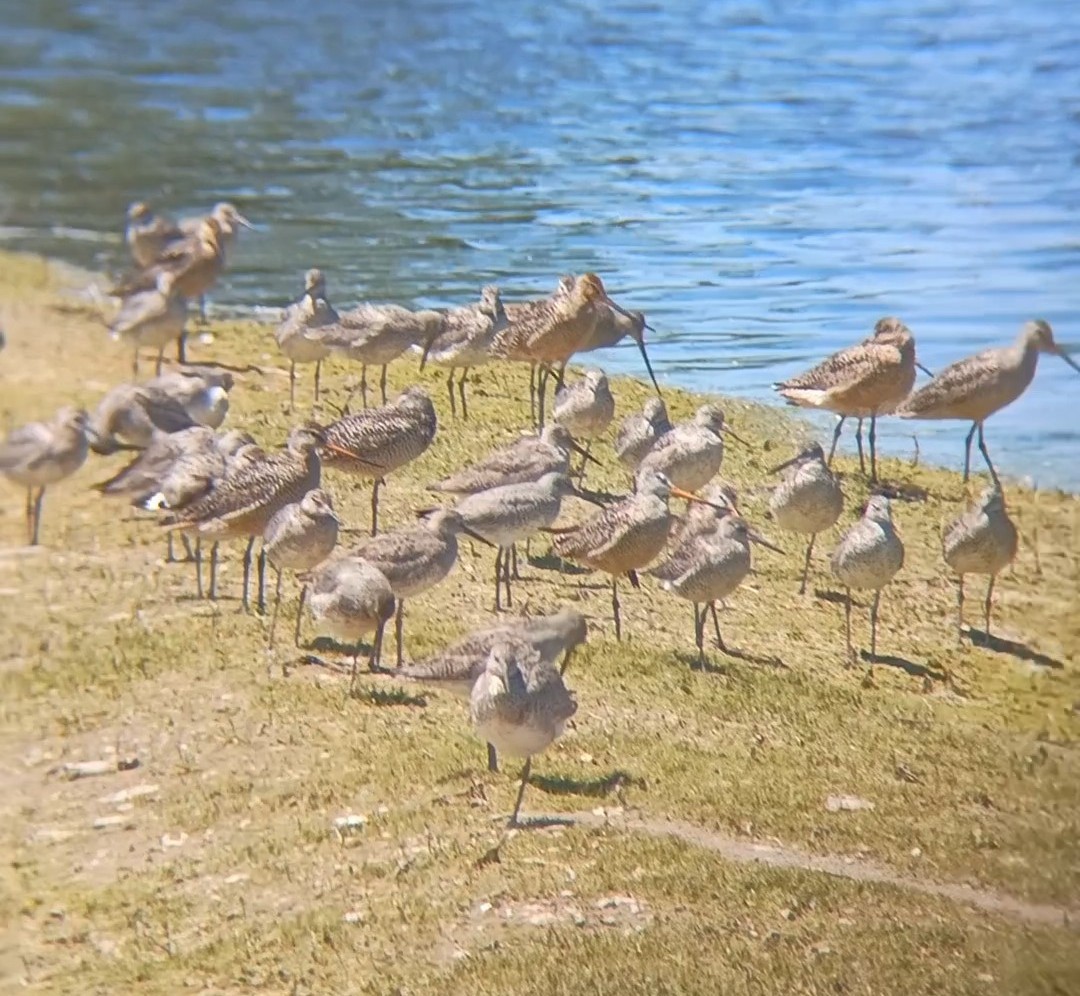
[[376, 335], [640, 432], [868, 556], [807, 500], [626, 536], [228, 219], [528, 459], [147, 234], [520, 705], [298, 321], [151, 318], [38, 454], [299, 537], [862, 381], [977, 386], [349, 599], [508, 514], [194, 264], [464, 340], [415, 558], [981, 540], [244, 502], [585, 408], [708, 565], [692, 452], [376, 442]]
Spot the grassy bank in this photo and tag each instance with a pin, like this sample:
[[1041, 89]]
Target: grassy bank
[[228, 874]]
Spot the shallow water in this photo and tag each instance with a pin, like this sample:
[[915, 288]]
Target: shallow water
[[764, 180]]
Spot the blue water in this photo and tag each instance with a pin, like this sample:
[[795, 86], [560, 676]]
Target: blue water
[[764, 180]]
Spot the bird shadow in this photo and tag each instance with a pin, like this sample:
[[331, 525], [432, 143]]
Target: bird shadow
[[695, 663], [593, 788], [387, 696], [550, 562], [1000, 645], [913, 668], [837, 597], [900, 491]]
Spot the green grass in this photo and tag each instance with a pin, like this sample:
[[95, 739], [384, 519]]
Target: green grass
[[969, 754]]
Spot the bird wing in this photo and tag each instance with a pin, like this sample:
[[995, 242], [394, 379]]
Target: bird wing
[[845, 367], [964, 377], [25, 446]]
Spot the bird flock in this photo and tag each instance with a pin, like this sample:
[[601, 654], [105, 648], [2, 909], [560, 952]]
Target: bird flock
[[204, 483]]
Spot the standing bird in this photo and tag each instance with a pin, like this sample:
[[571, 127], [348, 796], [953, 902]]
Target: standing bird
[[626, 536], [640, 432], [376, 335], [708, 565], [977, 386], [349, 599], [981, 540], [151, 318], [299, 537], [808, 500], [505, 515], [377, 441], [692, 452], [862, 381], [244, 501], [464, 339], [520, 706], [414, 558], [147, 234], [38, 454], [527, 459], [227, 218], [585, 408], [298, 321], [868, 556]]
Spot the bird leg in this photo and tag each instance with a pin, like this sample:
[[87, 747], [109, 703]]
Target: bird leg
[[858, 444], [292, 384], [514, 563], [525, 771], [213, 570], [461, 391], [181, 346], [716, 625], [541, 391], [399, 625], [363, 384], [382, 384], [989, 598], [873, 622], [262, 581], [274, 614], [699, 633], [835, 439], [170, 554], [873, 449], [532, 393], [37, 516], [615, 606], [245, 603], [375, 506], [806, 563], [847, 624], [450, 391], [959, 611], [498, 579], [318, 371], [967, 451], [160, 360], [493, 758], [376, 647], [300, 615], [198, 569], [584, 462], [29, 513], [135, 363], [986, 456]]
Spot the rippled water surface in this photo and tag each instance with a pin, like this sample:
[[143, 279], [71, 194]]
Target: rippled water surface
[[765, 180]]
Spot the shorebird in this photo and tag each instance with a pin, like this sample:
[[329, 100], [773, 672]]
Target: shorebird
[[981, 540], [808, 500], [976, 387], [147, 234], [585, 408], [228, 219], [151, 318], [639, 433], [349, 599], [523, 461], [415, 558], [707, 565], [464, 339], [612, 327], [377, 441], [244, 502], [298, 321], [203, 391], [130, 414], [299, 537], [376, 335], [862, 381], [38, 454], [692, 452], [520, 705], [508, 514], [868, 557], [194, 264], [626, 536]]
